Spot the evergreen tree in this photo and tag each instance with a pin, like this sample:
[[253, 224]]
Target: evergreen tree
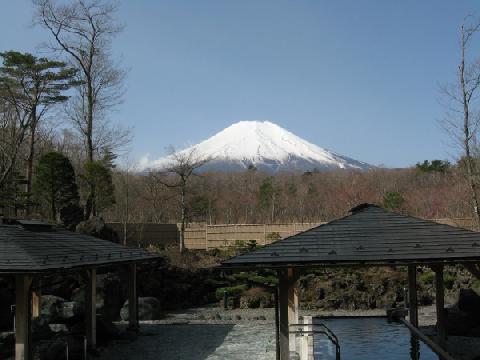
[[393, 200], [433, 166], [98, 176], [34, 85], [55, 182]]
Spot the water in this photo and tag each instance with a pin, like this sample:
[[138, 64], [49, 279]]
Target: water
[[370, 339]]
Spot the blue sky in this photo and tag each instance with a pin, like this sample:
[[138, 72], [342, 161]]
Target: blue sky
[[357, 77]]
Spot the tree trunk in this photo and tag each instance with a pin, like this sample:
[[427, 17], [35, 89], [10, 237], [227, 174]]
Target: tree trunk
[[90, 204], [467, 135], [31, 155], [182, 227]]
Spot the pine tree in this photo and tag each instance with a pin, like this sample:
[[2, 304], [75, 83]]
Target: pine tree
[[34, 85]]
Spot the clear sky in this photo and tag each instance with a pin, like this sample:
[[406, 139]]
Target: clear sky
[[357, 77]]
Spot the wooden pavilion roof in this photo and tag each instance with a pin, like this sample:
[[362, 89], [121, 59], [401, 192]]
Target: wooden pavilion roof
[[31, 247], [370, 235]]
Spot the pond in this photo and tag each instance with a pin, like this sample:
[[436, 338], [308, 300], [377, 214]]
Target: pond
[[370, 338]]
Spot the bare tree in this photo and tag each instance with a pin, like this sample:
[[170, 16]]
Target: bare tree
[[14, 125], [176, 174], [463, 119], [84, 30]]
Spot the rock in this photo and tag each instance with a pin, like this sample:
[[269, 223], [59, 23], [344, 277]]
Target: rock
[[40, 329], [106, 330], [70, 309], [56, 310], [238, 317], [58, 328], [50, 308], [469, 302], [7, 344], [218, 317], [458, 322], [56, 351], [94, 226], [148, 309]]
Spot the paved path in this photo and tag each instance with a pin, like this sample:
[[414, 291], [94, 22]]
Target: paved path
[[198, 342]]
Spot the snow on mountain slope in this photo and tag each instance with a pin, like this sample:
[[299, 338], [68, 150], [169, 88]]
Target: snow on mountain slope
[[265, 145]]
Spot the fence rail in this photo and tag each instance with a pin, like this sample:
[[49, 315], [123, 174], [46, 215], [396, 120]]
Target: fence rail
[[205, 237]]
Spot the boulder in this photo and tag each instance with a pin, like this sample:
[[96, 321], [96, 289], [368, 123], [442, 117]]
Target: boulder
[[469, 302], [149, 308], [458, 322], [70, 309], [40, 329], [94, 227], [50, 308]]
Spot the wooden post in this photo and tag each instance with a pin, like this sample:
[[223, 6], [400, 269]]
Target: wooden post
[[206, 236], [35, 304], [277, 325], [412, 295], [264, 234], [440, 304], [292, 304], [91, 308], [22, 317], [132, 297], [283, 314]]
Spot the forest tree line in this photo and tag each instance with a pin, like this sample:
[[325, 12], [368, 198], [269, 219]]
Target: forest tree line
[[433, 189]]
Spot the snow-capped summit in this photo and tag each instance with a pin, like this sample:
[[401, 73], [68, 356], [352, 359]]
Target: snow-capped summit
[[266, 146]]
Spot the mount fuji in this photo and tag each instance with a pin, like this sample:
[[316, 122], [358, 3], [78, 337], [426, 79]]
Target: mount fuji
[[264, 145]]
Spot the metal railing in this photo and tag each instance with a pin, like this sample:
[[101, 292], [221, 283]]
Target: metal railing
[[323, 331]]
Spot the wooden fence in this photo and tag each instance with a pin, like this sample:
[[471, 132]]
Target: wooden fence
[[204, 237]]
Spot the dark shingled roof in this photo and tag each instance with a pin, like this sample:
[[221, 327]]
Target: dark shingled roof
[[30, 247], [370, 235]]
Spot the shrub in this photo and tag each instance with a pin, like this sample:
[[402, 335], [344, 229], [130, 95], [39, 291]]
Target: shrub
[[231, 291], [448, 281], [426, 278]]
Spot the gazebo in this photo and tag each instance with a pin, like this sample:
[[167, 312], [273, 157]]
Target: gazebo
[[369, 236], [31, 249]]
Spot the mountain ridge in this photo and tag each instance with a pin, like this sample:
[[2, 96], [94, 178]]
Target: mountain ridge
[[266, 146]]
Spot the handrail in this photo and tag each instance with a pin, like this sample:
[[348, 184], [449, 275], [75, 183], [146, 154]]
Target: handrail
[[432, 345], [327, 332]]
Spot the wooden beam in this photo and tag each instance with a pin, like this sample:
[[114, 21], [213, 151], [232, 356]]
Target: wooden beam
[[412, 295], [132, 298], [440, 305], [283, 314], [23, 349], [292, 303], [91, 308]]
